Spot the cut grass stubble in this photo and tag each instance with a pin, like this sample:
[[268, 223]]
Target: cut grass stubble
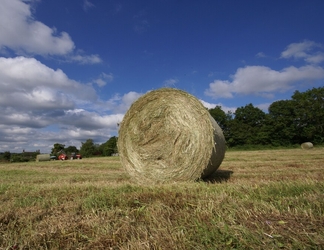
[[259, 199]]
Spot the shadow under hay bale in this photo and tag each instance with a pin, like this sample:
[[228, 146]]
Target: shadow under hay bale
[[219, 176], [167, 135], [307, 145]]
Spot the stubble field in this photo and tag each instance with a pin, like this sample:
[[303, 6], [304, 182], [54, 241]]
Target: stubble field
[[257, 200]]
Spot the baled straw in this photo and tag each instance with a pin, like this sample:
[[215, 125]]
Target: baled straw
[[167, 135], [307, 145], [43, 157]]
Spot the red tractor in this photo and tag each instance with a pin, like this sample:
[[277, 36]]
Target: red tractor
[[63, 156], [75, 156]]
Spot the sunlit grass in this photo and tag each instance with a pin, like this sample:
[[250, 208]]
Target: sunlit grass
[[258, 200]]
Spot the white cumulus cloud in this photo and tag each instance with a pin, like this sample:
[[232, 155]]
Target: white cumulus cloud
[[209, 105], [307, 50], [27, 83], [87, 5], [264, 81], [20, 31], [84, 59], [103, 79], [261, 80], [23, 34], [33, 95], [170, 82]]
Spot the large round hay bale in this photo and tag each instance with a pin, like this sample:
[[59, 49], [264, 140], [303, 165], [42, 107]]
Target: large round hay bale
[[43, 157], [307, 145], [167, 135]]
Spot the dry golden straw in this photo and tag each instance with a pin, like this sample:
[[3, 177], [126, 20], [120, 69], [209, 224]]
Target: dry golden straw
[[43, 157], [167, 135], [307, 145]]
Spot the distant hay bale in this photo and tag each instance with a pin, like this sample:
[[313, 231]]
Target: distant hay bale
[[307, 145], [167, 135], [43, 157]]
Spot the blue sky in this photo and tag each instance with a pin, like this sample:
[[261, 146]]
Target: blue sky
[[69, 70]]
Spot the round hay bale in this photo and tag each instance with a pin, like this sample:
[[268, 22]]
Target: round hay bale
[[167, 135], [43, 157], [307, 145]]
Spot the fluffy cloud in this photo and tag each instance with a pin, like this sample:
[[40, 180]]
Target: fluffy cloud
[[309, 51], [260, 55], [260, 80], [170, 82], [209, 105], [28, 84], [41, 106], [264, 81], [121, 103], [20, 130], [90, 120], [34, 95], [15, 138], [83, 59], [141, 24], [103, 79], [20, 32], [87, 5]]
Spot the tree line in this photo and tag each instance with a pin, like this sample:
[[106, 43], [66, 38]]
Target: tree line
[[88, 148], [288, 122]]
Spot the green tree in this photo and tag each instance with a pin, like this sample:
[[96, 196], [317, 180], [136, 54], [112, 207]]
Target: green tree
[[309, 111], [281, 123], [110, 146], [57, 148], [250, 115], [247, 126], [223, 120], [7, 155], [87, 148], [299, 119], [71, 149], [100, 148], [220, 116]]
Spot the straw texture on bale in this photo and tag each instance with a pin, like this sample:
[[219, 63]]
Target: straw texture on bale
[[43, 157], [307, 145], [167, 135]]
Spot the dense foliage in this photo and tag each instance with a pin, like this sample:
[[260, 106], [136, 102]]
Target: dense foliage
[[288, 122], [108, 148], [89, 148], [18, 157]]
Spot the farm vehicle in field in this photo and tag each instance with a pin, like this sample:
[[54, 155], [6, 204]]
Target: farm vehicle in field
[[63, 156]]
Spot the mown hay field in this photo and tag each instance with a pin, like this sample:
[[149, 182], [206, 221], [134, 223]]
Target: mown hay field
[[270, 199]]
